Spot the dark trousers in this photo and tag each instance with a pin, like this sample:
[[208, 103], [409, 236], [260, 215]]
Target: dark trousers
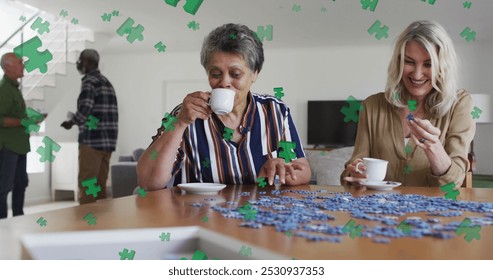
[[13, 177]]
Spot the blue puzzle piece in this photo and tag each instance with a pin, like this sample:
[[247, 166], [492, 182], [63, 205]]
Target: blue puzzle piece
[[134, 33], [37, 59]]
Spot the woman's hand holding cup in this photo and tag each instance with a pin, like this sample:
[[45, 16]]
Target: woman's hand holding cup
[[195, 106], [356, 172]]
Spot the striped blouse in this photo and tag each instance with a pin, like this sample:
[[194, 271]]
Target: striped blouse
[[205, 156]]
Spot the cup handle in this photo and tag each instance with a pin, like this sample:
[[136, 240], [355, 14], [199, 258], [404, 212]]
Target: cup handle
[[357, 167]]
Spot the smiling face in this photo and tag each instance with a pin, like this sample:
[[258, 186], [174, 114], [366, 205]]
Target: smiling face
[[417, 70], [227, 70]]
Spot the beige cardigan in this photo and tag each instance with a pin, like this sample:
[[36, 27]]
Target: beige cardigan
[[380, 135]]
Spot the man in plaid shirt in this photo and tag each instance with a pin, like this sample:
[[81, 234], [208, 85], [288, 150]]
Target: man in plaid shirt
[[97, 118]]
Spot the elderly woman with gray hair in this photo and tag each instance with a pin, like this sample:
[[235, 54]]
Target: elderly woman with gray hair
[[196, 149]]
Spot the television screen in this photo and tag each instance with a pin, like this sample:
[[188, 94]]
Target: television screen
[[326, 126]]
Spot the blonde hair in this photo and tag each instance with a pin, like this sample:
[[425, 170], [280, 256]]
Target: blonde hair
[[433, 37]]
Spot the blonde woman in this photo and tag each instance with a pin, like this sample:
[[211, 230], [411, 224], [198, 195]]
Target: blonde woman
[[426, 145]]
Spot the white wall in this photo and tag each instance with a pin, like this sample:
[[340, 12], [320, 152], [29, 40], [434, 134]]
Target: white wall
[[142, 82]]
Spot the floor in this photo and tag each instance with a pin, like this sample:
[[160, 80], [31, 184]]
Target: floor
[[39, 208]]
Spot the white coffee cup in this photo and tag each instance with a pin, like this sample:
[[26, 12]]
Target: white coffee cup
[[376, 169], [222, 100]]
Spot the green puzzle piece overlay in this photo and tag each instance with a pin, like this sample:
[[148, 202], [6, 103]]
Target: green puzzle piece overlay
[[92, 122], [379, 30], [408, 149], [411, 105], [160, 47], [42, 27], [286, 151], [354, 231], [141, 192], [31, 122], [476, 112], [262, 182], [228, 133], [250, 214], [134, 33], [46, 152], [279, 92], [197, 255], [165, 236], [90, 218], [36, 59], [450, 192], [191, 6], [127, 255], [169, 122], [468, 34], [408, 169], [404, 227], [42, 222], [194, 25], [245, 251], [470, 232], [351, 111], [265, 32], [92, 188], [154, 154], [372, 4], [206, 163]]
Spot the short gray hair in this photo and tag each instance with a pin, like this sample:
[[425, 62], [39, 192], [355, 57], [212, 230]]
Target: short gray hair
[[91, 55], [6, 59], [236, 39]]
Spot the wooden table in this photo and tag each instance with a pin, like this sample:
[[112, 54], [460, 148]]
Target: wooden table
[[167, 208]]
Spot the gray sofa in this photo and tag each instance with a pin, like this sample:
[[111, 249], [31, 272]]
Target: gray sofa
[[327, 166], [124, 174]]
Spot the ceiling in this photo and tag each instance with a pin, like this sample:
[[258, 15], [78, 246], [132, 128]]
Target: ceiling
[[318, 23]]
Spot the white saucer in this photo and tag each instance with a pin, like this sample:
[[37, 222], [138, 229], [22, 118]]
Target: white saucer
[[380, 185], [201, 188]]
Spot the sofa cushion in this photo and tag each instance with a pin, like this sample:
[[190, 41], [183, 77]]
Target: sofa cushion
[[137, 154], [327, 166]]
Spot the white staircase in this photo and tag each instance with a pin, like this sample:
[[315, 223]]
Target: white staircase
[[64, 40]]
